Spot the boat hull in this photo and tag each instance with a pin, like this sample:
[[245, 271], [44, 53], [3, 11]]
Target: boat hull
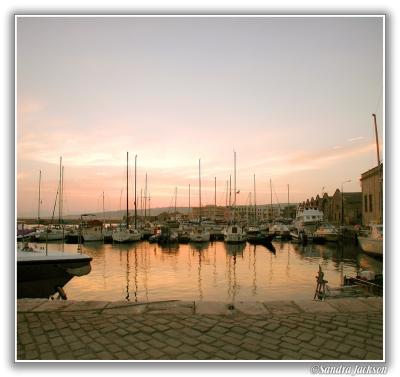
[[371, 246], [41, 277], [124, 237]]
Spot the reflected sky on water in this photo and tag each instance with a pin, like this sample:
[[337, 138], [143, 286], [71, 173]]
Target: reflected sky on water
[[211, 271]]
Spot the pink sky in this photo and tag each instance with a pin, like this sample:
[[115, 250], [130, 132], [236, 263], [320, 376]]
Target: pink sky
[[293, 97]]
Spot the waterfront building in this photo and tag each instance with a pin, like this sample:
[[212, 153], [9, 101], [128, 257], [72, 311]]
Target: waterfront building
[[372, 195], [331, 206]]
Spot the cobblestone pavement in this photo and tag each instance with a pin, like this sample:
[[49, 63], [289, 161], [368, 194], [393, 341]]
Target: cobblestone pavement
[[345, 329]]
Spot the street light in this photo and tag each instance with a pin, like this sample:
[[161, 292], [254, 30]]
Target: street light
[[348, 180]]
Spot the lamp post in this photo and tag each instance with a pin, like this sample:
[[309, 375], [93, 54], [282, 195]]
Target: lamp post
[[348, 180]]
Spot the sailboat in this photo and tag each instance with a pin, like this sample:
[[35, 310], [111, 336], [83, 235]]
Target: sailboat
[[199, 233], [234, 233], [53, 233], [125, 234]]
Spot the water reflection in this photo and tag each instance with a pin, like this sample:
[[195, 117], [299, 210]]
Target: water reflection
[[211, 271]]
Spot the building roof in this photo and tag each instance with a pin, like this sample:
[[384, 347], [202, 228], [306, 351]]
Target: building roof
[[371, 172]]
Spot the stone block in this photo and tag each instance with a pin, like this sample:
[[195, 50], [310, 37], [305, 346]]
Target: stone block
[[212, 308], [281, 307], [251, 308], [312, 306], [349, 305]]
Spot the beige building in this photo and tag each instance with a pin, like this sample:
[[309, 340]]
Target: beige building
[[331, 206], [372, 194]]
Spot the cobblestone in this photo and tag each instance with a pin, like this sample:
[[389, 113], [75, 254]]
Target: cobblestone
[[286, 331]]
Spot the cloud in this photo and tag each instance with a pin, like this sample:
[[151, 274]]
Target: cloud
[[357, 138]]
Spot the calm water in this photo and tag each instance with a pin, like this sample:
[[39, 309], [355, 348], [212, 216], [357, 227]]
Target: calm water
[[213, 271]]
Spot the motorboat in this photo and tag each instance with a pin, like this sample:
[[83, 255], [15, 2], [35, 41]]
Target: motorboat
[[234, 233], [326, 233], [126, 234], [167, 236], [199, 234], [50, 233], [280, 231], [91, 230], [306, 223], [41, 274], [255, 236], [372, 242]]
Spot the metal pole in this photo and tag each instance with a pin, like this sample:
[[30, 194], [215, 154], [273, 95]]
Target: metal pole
[[376, 140], [189, 200], [40, 179], [127, 192], [145, 197], [199, 195], [215, 197], [255, 205], [135, 193]]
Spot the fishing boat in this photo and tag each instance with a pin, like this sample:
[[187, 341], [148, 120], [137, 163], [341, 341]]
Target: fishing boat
[[372, 242], [124, 233], [41, 274]]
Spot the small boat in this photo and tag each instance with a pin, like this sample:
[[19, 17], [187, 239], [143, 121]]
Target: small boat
[[199, 234], [50, 233], [92, 229], [167, 236], [124, 235], [280, 231], [255, 236], [372, 243], [41, 274], [326, 233], [306, 223], [234, 233]]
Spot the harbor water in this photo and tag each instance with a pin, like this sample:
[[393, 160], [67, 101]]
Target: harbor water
[[141, 272]]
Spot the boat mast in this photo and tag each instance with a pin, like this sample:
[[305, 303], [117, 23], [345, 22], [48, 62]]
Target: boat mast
[[40, 179], [104, 215], [59, 197], [215, 198], [149, 205], [234, 185], [127, 192], [199, 195], [189, 201], [145, 198], [176, 193], [270, 189], [255, 206], [135, 193], [376, 140]]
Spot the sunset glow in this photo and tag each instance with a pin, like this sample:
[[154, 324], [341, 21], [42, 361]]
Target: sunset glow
[[292, 96]]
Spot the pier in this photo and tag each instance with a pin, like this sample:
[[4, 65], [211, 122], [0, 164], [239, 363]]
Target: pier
[[335, 329]]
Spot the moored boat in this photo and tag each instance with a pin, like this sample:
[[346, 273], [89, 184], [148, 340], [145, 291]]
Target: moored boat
[[41, 274], [326, 233], [372, 243]]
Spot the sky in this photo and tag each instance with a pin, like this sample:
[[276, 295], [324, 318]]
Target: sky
[[292, 96]]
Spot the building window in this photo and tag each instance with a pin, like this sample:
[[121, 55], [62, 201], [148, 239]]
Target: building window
[[365, 203], [370, 202]]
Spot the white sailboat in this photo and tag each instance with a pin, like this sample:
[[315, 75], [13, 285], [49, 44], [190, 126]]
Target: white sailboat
[[234, 233], [199, 233], [51, 232], [124, 234]]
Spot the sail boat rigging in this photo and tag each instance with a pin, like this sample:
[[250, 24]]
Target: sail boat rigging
[[123, 235], [199, 233], [234, 233]]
